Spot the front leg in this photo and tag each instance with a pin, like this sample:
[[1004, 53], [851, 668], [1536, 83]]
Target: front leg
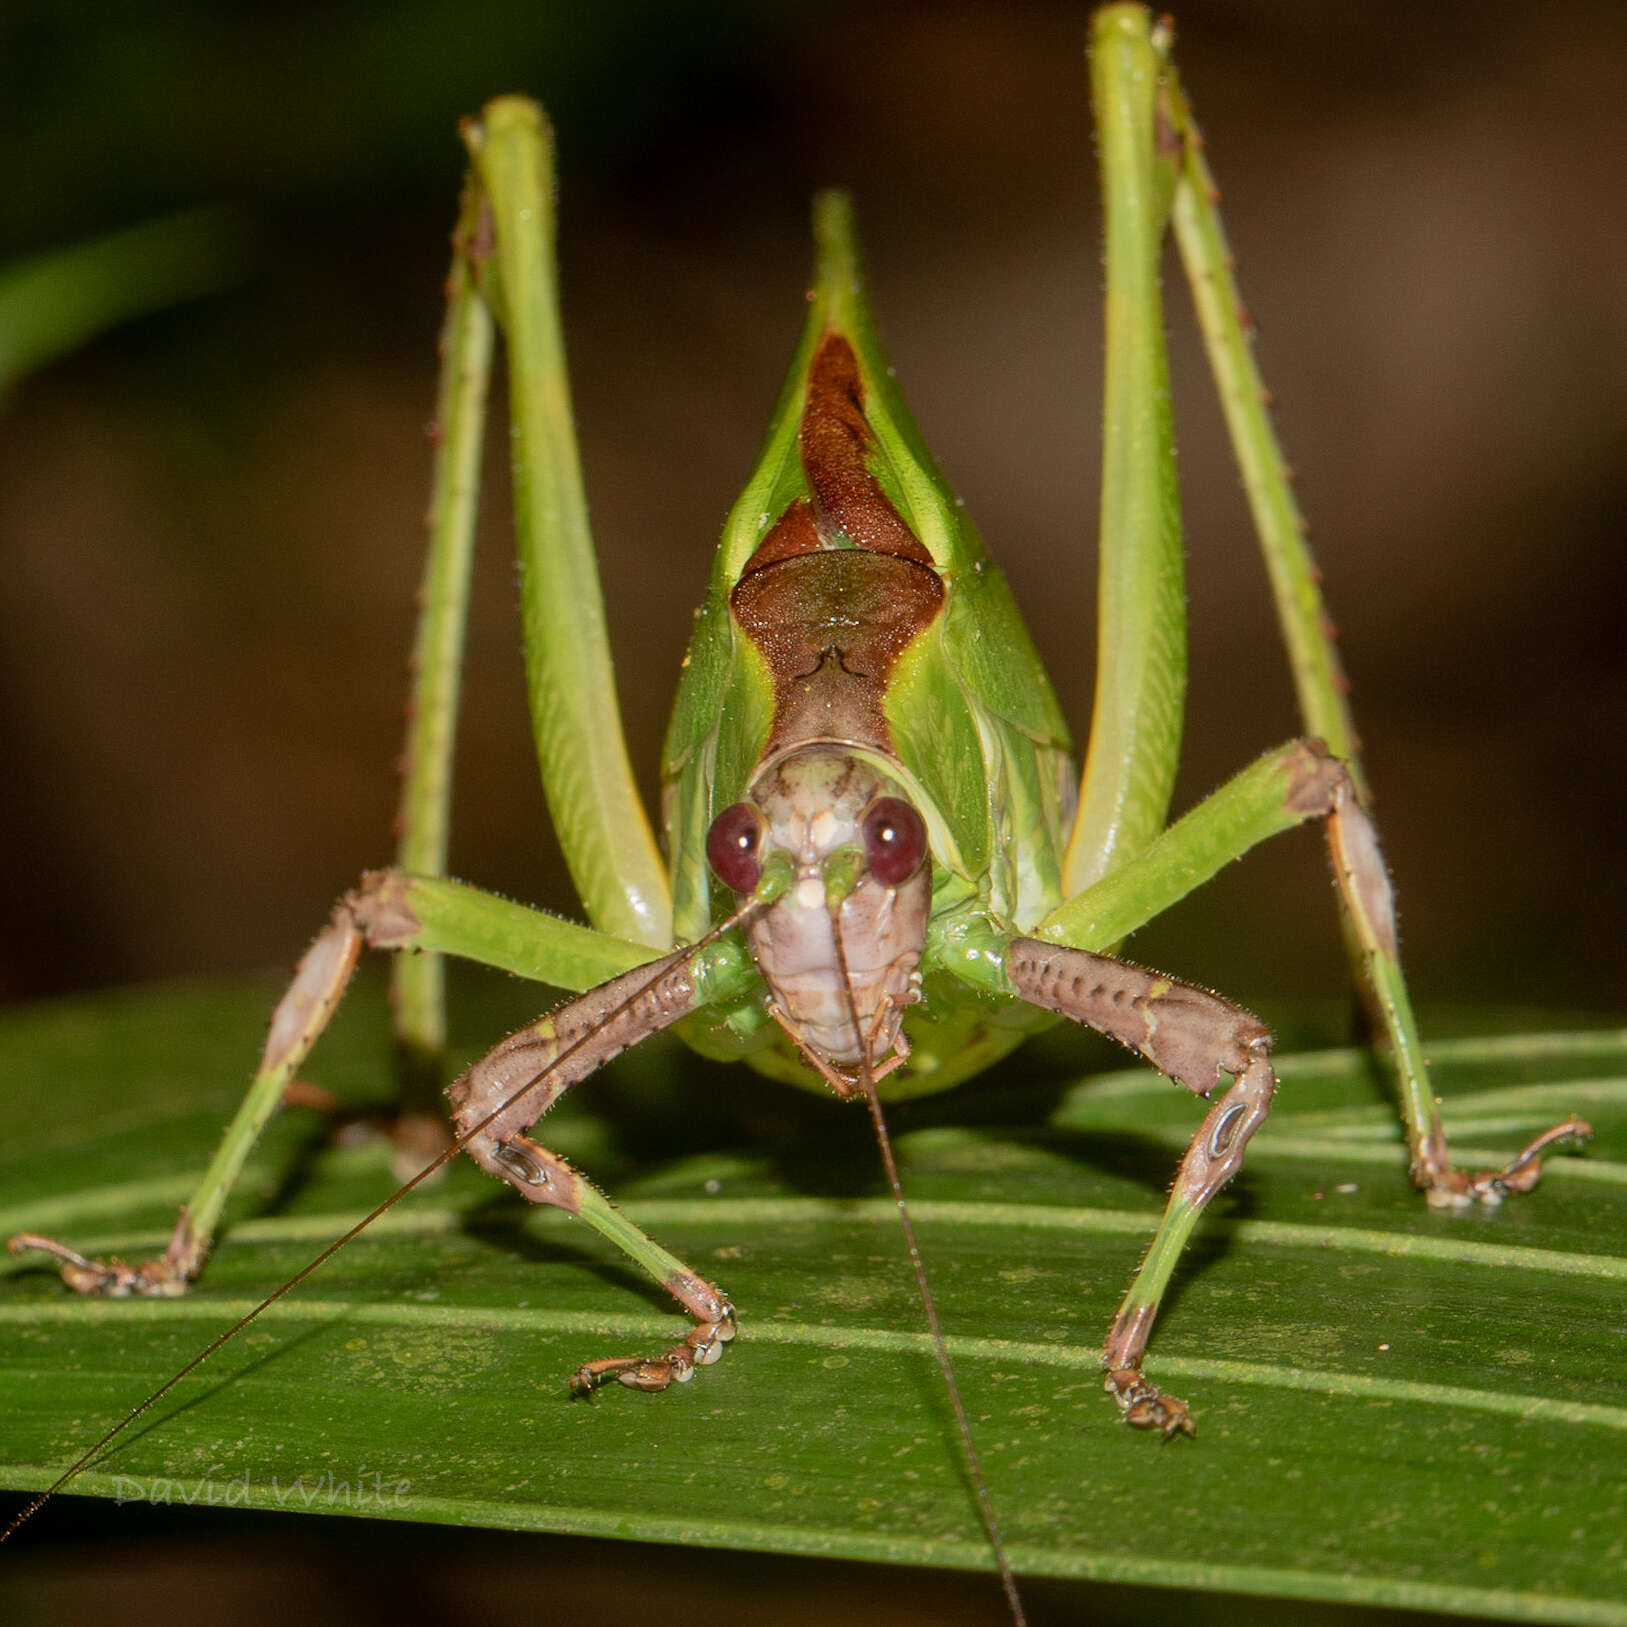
[[1196, 1038], [514, 1084]]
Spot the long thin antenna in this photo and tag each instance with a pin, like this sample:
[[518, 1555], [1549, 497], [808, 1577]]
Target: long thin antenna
[[974, 1465], [441, 1159]]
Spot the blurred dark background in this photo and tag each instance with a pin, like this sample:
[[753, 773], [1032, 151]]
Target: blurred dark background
[[210, 518]]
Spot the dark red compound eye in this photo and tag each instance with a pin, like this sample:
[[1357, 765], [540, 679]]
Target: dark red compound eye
[[734, 847], [894, 840]]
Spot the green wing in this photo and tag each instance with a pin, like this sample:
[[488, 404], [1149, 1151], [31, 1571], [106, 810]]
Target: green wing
[[978, 734]]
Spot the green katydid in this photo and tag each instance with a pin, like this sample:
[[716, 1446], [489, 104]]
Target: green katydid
[[856, 646]]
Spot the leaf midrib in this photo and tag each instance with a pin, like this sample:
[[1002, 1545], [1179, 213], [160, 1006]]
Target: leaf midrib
[[740, 1213], [832, 1336]]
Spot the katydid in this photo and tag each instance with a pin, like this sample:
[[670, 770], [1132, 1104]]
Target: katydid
[[880, 870]]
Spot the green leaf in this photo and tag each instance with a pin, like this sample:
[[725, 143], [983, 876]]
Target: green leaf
[[54, 302], [1396, 1405]]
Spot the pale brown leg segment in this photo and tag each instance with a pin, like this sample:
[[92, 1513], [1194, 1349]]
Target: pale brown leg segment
[[301, 1015], [1195, 1037], [1364, 883], [492, 1106]]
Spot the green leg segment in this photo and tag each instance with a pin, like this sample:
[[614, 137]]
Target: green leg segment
[[602, 827], [1274, 794], [1211, 1160], [1135, 728], [503, 260], [1319, 681], [703, 1345], [433, 914], [417, 982]]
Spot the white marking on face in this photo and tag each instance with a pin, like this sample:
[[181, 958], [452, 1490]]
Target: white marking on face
[[822, 829], [810, 892]]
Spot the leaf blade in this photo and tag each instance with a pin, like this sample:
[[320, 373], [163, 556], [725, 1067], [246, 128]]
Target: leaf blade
[[824, 1432]]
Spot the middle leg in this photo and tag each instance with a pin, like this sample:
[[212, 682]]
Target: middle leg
[[1290, 786]]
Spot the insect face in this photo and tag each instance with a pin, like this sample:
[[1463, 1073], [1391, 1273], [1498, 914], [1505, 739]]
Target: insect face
[[841, 947]]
